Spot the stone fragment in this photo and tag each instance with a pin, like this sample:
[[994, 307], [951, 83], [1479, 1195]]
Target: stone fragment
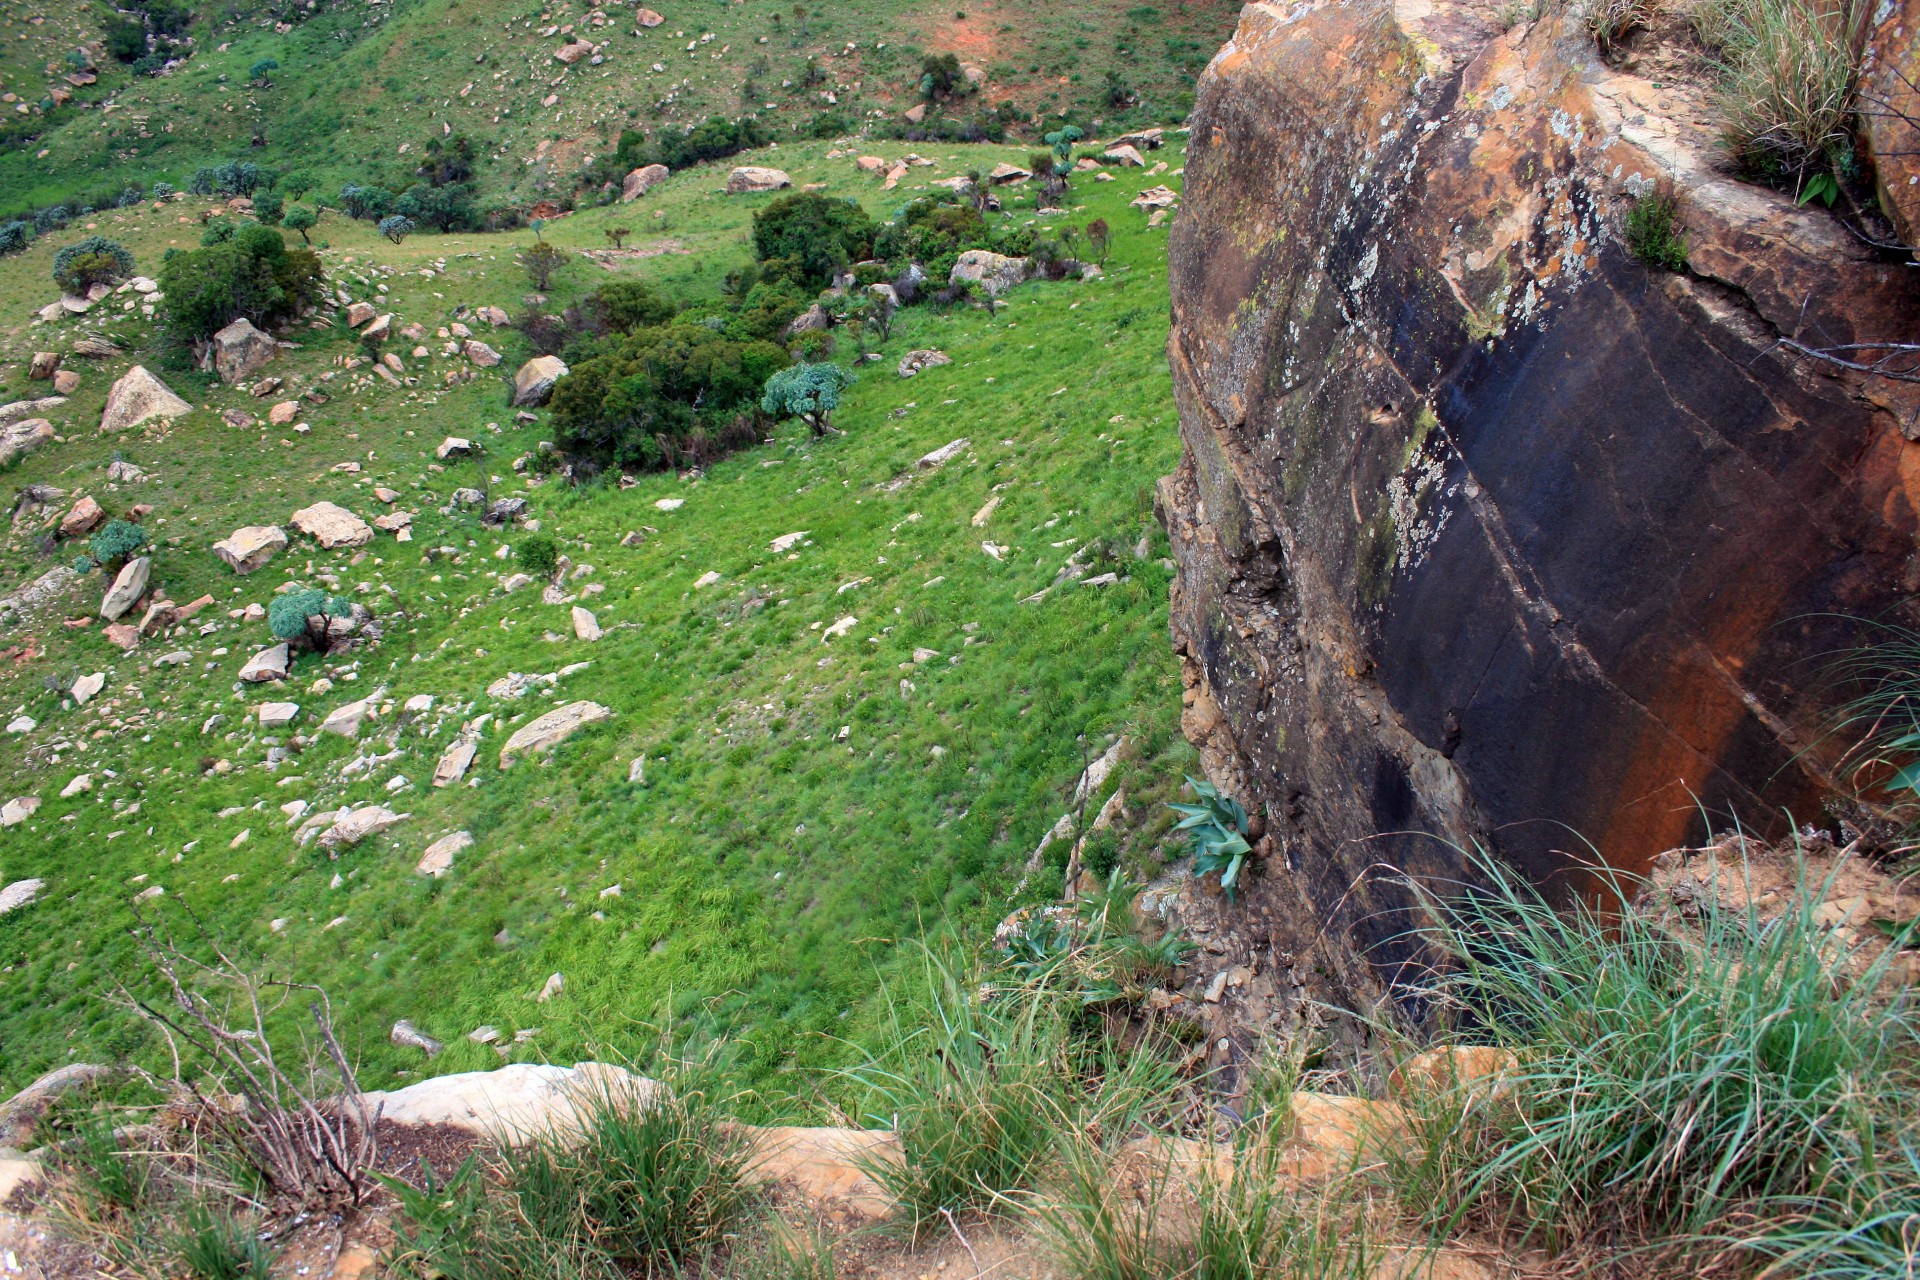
[[278, 715], [20, 892], [544, 733], [240, 351], [128, 586], [533, 385], [453, 447], [914, 362], [18, 810], [480, 354], [346, 720], [944, 454], [454, 762], [268, 664], [86, 513], [748, 178], [585, 625], [367, 820], [86, 687], [66, 382], [332, 526], [640, 181], [284, 412], [408, 1036], [250, 547], [43, 365], [1125, 156], [1003, 173], [993, 272], [438, 858], [138, 396], [359, 313]]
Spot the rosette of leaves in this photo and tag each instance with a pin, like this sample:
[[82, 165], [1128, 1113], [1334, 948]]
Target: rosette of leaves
[[1218, 828]]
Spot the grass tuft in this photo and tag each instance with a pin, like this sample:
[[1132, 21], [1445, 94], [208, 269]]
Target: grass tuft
[[1789, 75], [1654, 232]]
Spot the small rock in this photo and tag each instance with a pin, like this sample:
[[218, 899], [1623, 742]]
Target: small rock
[[408, 1036], [438, 858]]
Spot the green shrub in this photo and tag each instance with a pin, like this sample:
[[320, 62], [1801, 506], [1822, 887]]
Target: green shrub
[[644, 398], [302, 219], [626, 305], [1722, 1079], [537, 554], [1219, 829], [260, 69], [253, 275], [818, 235], [15, 236], [116, 541], [268, 207], [94, 260], [396, 227], [807, 391], [84, 564], [1654, 233], [292, 617]]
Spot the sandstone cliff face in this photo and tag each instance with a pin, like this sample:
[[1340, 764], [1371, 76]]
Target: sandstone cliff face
[[1486, 531]]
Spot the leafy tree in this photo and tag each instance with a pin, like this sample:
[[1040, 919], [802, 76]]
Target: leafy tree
[[302, 219], [819, 236], [94, 260], [537, 554], [253, 275], [447, 160], [1062, 140], [301, 616], [444, 208], [219, 231], [541, 260], [626, 305], [941, 76], [617, 236], [296, 184], [116, 541], [357, 201], [1099, 239], [396, 227], [641, 395], [259, 71], [807, 391], [126, 39], [268, 207], [15, 236]]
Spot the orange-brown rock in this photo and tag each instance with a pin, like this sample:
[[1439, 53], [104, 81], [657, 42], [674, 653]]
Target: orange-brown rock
[[1488, 532], [1890, 112]]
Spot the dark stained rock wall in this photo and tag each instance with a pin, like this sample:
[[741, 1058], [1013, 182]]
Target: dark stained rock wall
[[1486, 531]]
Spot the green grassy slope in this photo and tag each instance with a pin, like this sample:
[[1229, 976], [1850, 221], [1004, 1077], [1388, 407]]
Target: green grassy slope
[[357, 82], [767, 867]]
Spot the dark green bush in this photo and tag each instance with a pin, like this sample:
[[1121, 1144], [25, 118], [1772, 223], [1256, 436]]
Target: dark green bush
[[1654, 233], [268, 207], [15, 236], [291, 617], [253, 275], [626, 305], [818, 235], [95, 260], [116, 541], [126, 39], [537, 554]]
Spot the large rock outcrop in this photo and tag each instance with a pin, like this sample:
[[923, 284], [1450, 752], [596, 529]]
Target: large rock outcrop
[[1486, 531]]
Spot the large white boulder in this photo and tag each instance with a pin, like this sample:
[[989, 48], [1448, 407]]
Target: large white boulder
[[749, 178], [514, 1104], [137, 396], [548, 731], [642, 180], [128, 587], [240, 351], [534, 383], [332, 526], [251, 547], [992, 271]]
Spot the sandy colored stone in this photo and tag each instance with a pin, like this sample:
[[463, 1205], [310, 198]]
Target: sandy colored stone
[[138, 396], [548, 731]]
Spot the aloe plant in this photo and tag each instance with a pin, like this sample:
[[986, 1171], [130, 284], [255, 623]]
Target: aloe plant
[[1218, 828]]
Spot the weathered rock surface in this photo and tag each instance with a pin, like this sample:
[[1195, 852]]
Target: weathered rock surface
[[20, 892], [23, 437], [368, 820], [992, 271], [1890, 94], [642, 180], [332, 526], [1487, 532], [248, 548], [515, 1103], [438, 858], [749, 178], [240, 351], [534, 383], [128, 586], [268, 664], [137, 396], [915, 362], [548, 731]]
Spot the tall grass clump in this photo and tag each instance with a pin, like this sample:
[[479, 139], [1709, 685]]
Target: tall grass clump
[[640, 1186], [1676, 1079], [982, 1077], [1877, 723], [1162, 1206], [1789, 74]]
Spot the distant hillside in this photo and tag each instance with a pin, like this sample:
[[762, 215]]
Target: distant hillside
[[361, 87]]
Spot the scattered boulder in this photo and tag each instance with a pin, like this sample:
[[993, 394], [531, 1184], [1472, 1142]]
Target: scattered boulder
[[992, 271], [332, 526], [914, 362], [1004, 173], [454, 447], [19, 438], [240, 351], [573, 51], [585, 625], [137, 396], [346, 720], [18, 810], [1124, 155], [377, 332], [367, 820], [642, 180], [268, 664], [408, 1036], [534, 383], [813, 320], [548, 731], [284, 412], [647, 18], [944, 454], [66, 382], [515, 1104], [359, 313], [749, 178], [86, 687], [277, 715], [251, 547], [43, 365], [128, 586], [84, 515], [480, 354], [1142, 140], [20, 892], [438, 858], [95, 346], [455, 762]]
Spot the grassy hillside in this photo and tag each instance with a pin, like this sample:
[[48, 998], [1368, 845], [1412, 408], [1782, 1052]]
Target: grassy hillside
[[357, 83], [806, 803]]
